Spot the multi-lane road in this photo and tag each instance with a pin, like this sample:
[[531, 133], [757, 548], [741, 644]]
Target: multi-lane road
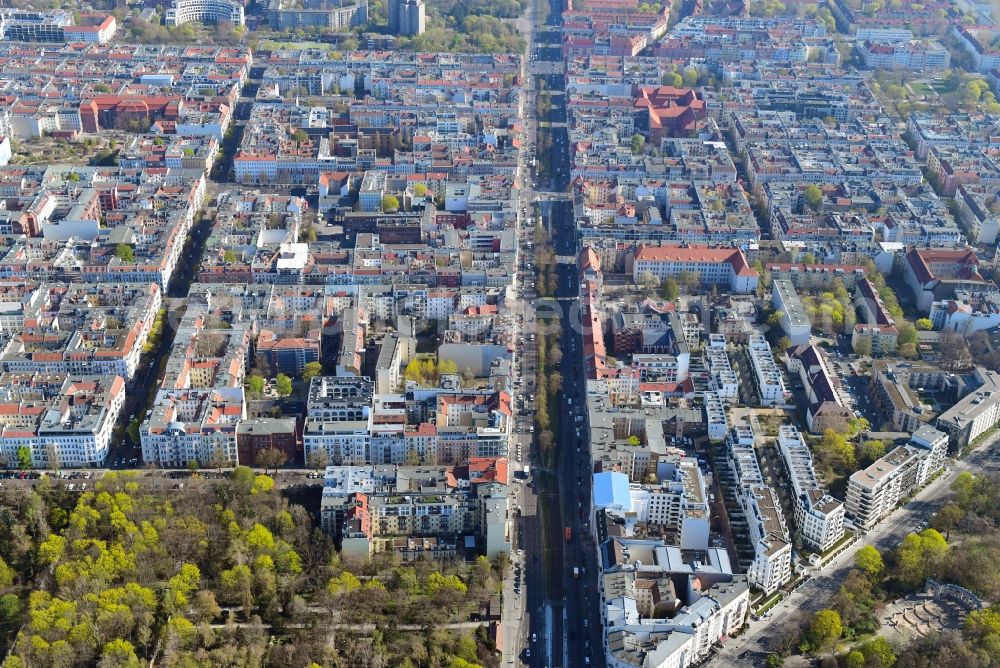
[[556, 621]]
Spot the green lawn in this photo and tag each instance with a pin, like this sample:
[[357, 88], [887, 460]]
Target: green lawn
[[942, 87], [272, 45], [767, 603]]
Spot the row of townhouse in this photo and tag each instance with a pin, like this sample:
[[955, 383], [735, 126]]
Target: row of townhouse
[[819, 517], [768, 380], [768, 533]]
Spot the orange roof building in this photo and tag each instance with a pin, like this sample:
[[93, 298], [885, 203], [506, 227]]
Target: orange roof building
[[664, 111], [713, 266]]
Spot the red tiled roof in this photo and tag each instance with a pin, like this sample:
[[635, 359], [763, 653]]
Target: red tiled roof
[[693, 254], [921, 258]]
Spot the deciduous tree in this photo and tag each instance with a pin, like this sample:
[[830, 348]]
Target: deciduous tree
[[271, 458], [863, 346], [878, 653], [907, 334], [869, 560], [834, 447], [669, 289], [311, 370], [638, 142], [24, 457], [124, 253], [813, 196], [920, 556], [390, 204], [948, 518], [824, 629], [870, 450], [119, 653]]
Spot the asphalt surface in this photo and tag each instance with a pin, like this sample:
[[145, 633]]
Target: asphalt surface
[[524, 588], [561, 623]]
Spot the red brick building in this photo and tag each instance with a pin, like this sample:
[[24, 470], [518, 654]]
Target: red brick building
[[115, 111], [255, 436], [665, 111]]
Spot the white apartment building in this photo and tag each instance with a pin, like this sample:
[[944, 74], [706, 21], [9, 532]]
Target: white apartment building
[[818, 516], [340, 399], [794, 321], [98, 33], [392, 501], [715, 417], [681, 641], [883, 34], [874, 492], [722, 380], [193, 425], [981, 222], [74, 428], [639, 574], [767, 375], [346, 442], [984, 58], [772, 562], [975, 413], [966, 312], [666, 368], [935, 445], [910, 55], [205, 11], [679, 503]]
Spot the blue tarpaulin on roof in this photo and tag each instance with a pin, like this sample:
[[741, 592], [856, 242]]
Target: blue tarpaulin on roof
[[611, 491]]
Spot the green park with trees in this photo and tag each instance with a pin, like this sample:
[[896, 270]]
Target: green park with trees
[[218, 573], [961, 546]]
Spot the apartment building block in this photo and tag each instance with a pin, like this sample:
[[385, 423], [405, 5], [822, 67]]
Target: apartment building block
[[794, 322], [826, 408], [772, 562], [63, 420], [715, 417], [722, 381], [664, 608], [819, 517], [468, 499], [727, 267], [922, 56], [975, 413], [194, 425], [768, 381], [875, 492]]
